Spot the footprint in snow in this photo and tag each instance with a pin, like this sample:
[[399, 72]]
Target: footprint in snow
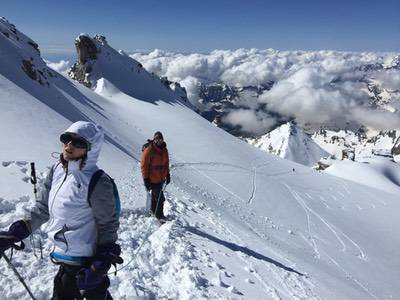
[[26, 179], [228, 274], [6, 163], [234, 290], [249, 269]]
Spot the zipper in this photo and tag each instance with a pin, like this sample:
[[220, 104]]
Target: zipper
[[52, 202]]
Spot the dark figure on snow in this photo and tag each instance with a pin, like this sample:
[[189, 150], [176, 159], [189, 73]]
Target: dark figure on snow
[[83, 228], [155, 172]]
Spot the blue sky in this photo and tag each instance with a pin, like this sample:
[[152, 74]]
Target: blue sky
[[201, 26]]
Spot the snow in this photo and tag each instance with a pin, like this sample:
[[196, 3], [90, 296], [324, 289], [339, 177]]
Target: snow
[[380, 173], [291, 142], [243, 224]]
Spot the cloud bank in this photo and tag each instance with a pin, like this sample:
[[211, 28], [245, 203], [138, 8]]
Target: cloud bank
[[312, 87]]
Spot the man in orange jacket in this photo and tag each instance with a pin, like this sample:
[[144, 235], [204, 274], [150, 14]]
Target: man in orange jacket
[[155, 172]]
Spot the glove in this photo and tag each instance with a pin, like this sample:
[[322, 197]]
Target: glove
[[91, 277], [147, 184], [168, 179], [16, 233]]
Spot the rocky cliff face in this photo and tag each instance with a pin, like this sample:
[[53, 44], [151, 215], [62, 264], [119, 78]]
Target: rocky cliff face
[[26, 52], [87, 52], [99, 62], [218, 99]]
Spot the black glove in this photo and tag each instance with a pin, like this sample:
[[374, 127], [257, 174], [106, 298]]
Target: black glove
[[168, 179], [147, 184], [91, 277], [16, 233]]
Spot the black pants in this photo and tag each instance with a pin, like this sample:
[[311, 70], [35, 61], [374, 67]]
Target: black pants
[[157, 195], [65, 286]]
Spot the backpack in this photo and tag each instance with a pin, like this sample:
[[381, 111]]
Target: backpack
[[93, 181], [149, 143]]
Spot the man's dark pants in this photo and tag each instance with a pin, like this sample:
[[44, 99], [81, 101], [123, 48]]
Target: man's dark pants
[[157, 195]]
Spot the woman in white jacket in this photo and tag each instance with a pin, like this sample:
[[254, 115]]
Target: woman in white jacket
[[82, 224]]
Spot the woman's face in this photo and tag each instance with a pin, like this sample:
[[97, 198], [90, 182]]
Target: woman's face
[[71, 152]]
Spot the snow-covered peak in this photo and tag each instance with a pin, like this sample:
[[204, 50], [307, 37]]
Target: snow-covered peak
[[395, 63], [336, 142], [98, 61], [291, 142], [20, 54], [17, 38]]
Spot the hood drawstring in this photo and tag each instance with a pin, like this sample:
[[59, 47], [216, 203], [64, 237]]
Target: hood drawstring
[[82, 163]]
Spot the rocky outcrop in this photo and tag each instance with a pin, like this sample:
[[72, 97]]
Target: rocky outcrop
[[87, 52], [29, 60], [29, 69], [396, 148], [218, 99]]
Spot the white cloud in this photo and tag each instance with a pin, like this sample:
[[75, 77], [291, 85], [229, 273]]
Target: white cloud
[[326, 87], [250, 121], [192, 86], [61, 67], [390, 79]]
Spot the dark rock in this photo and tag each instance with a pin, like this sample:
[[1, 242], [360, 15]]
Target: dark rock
[[165, 81], [34, 46], [29, 69], [86, 50], [396, 148]]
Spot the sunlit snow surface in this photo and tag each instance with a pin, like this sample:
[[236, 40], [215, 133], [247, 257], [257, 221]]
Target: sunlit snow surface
[[243, 224]]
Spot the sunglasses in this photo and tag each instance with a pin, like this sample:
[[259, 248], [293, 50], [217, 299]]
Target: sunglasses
[[76, 141]]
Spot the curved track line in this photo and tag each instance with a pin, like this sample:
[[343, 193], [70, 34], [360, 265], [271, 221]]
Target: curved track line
[[217, 183]]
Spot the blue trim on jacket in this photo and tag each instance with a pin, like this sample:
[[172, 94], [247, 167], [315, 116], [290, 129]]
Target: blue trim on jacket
[[69, 260]]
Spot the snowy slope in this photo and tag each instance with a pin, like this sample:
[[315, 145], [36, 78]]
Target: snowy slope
[[291, 142], [378, 172], [243, 225]]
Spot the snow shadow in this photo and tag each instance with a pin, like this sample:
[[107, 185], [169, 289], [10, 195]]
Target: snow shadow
[[245, 250]]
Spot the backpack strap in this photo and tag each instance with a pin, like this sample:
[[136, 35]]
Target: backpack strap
[[93, 181]]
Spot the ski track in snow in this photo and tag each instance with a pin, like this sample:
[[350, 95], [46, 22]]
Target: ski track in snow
[[254, 181], [361, 254], [218, 184], [299, 289], [150, 273], [330, 226]]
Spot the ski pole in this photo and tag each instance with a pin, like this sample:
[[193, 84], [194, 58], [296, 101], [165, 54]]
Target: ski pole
[[159, 196], [34, 182], [33, 179], [18, 275]]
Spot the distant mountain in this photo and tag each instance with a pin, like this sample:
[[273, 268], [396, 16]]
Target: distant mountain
[[249, 92], [290, 142], [363, 146], [217, 100]]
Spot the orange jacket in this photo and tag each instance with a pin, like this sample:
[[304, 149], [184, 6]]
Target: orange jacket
[[155, 163]]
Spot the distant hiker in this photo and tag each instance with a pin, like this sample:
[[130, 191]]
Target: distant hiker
[[82, 207], [155, 172]]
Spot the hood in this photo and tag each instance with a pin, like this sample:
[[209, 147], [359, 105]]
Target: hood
[[94, 134]]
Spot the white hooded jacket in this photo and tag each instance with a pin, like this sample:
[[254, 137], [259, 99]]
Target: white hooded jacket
[[75, 227]]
